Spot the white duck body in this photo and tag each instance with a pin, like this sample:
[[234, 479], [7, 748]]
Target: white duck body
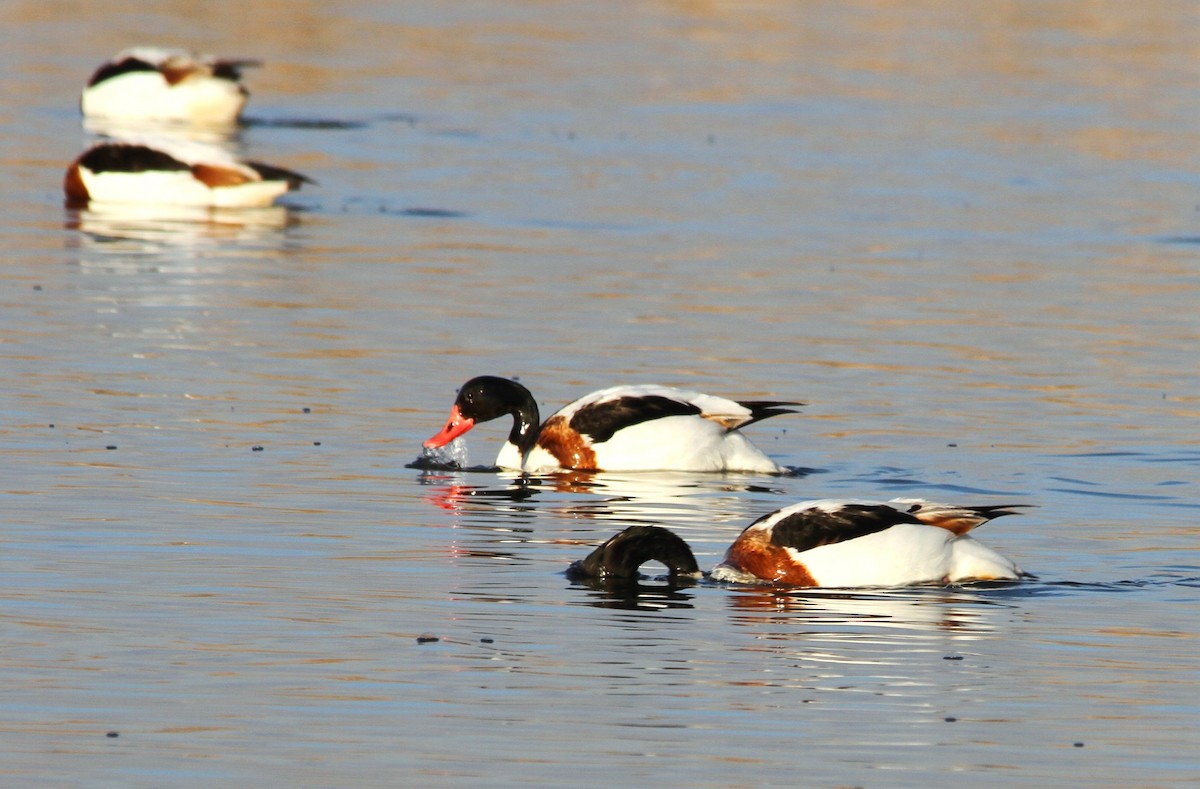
[[906, 554], [705, 442], [173, 172], [166, 85], [899, 555]]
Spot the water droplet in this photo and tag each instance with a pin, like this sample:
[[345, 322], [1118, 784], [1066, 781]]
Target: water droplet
[[453, 454]]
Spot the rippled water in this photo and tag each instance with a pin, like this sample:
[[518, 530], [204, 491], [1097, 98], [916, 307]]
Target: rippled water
[[965, 236]]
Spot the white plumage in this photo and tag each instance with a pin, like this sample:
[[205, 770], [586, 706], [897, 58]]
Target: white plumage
[[707, 442], [173, 172], [622, 428], [171, 85], [833, 543]]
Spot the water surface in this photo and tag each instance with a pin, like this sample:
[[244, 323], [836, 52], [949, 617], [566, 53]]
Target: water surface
[[967, 238]]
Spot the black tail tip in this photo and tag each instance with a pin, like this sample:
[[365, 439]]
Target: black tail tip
[[1000, 510]]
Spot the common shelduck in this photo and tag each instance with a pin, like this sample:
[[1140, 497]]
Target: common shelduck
[[173, 85], [839, 544], [624, 428], [173, 172]]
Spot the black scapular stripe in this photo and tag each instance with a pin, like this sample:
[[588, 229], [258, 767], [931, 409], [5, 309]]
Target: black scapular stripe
[[812, 528], [129, 159], [602, 420], [123, 66]]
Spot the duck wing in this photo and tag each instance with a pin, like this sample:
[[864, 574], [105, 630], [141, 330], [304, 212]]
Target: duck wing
[[809, 525]]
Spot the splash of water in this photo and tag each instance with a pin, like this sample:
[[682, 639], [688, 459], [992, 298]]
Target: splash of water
[[452, 455]]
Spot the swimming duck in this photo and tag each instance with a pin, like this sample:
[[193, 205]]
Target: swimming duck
[[160, 84], [842, 543], [624, 428], [173, 172], [833, 543]]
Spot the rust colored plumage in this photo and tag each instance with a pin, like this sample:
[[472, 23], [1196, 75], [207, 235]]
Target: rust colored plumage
[[754, 553], [174, 73], [566, 444], [727, 422], [213, 176], [959, 520], [958, 526], [74, 188]]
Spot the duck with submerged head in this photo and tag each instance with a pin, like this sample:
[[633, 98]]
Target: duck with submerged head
[[833, 544], [162, 171], [623, 428], [164, 84]]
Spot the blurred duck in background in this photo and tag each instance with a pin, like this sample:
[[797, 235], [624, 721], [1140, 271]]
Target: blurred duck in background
[[173, 172], [166, 85]]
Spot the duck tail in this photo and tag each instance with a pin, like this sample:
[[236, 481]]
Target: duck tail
[[954, 518], [765, 409]]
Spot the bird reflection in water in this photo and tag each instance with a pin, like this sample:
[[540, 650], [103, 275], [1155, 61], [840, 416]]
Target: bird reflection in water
[[640, 594], [786, 613], [448, 491], [648, 497], [177, 227]]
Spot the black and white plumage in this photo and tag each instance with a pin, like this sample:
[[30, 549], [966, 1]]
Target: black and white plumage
[[166, 85], [173, 172], [836, 543], [623, 428], [830, 543]]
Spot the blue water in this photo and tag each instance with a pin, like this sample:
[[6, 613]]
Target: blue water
[[965, 237]]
